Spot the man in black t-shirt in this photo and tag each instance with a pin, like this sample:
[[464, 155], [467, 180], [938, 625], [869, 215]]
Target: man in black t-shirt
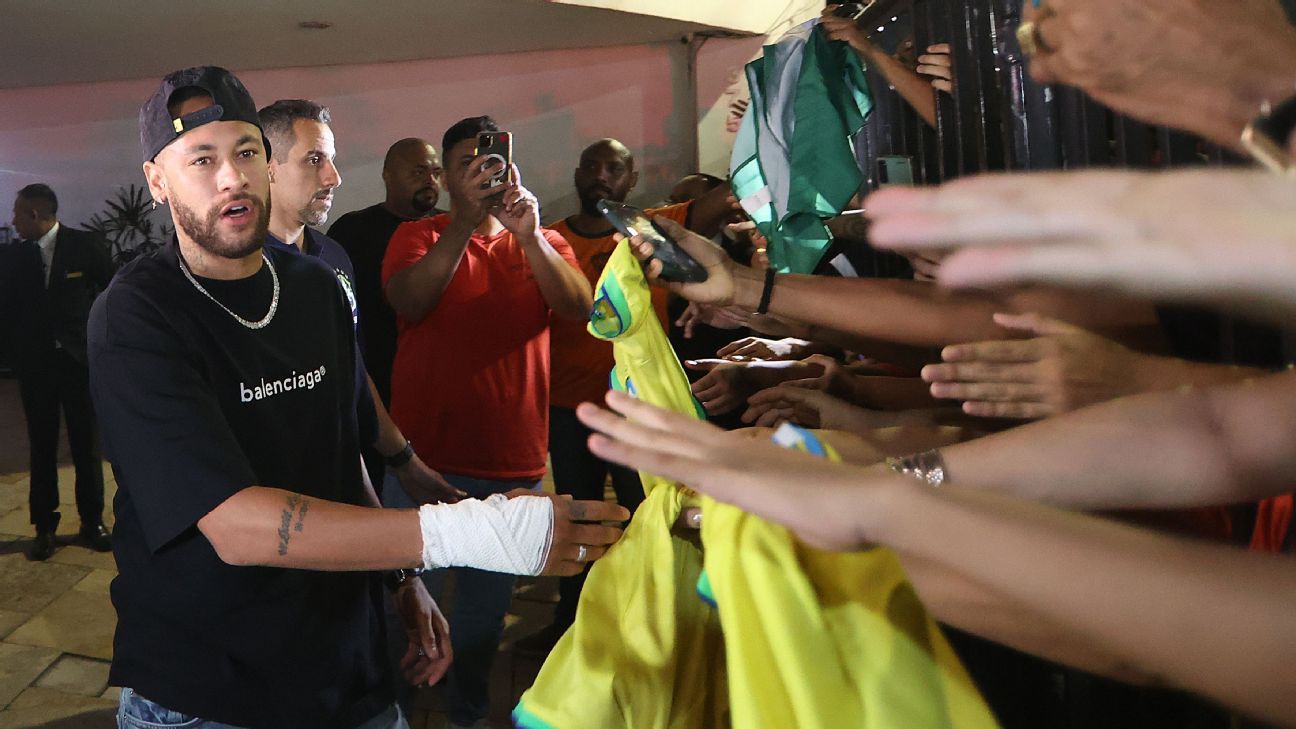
[[225, 375], [412, 175]]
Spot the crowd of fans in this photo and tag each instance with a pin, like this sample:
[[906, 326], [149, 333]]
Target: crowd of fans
[[986, 409]]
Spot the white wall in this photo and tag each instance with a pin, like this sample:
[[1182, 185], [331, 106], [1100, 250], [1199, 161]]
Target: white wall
[[83, 139], [722, 84]]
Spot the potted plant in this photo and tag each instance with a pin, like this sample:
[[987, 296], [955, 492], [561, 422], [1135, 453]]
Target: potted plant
[[127, 226]]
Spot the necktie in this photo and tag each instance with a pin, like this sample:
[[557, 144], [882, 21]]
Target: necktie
[[34, 263]]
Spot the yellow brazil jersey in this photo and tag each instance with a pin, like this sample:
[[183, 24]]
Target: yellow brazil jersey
[[797, 637], [817, 639], [645, 652]]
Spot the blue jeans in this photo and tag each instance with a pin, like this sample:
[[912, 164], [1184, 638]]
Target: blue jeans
[[481, 600], [136, 712]]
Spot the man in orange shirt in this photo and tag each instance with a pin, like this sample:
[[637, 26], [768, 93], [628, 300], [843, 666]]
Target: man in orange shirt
[[580, 364], [473, 291]]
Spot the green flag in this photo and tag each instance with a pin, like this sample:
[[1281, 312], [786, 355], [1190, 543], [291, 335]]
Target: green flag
[[793, 161]]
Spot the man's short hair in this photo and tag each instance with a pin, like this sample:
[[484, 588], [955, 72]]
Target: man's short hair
[[466, 129], [182, 95], [278, 118], [711, 181], [41, 198]]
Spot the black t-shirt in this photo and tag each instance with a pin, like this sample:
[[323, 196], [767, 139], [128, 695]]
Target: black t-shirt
[[364, 235], [195, 407], [331, 254]]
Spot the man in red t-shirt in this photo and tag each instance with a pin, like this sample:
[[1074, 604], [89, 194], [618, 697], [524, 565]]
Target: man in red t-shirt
[[473, 291]]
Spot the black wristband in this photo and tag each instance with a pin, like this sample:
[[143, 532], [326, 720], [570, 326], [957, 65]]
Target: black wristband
[[401, 457], [394, 579], [767, 292]]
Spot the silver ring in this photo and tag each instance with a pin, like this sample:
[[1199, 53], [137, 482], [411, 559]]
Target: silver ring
[[582, 552]]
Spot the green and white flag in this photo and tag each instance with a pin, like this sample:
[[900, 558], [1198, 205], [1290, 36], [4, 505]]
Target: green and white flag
[[793, 162]]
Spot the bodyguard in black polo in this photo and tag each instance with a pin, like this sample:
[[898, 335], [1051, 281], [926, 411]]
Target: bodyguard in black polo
[[53, 276]]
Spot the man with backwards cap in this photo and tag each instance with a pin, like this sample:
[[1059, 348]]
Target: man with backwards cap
[[247, 546]]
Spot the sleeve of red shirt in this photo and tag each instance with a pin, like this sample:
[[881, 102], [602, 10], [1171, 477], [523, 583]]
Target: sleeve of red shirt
[[555, 239], [408, 244]]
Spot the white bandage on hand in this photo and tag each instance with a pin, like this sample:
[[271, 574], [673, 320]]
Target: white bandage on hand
[[498, 534]]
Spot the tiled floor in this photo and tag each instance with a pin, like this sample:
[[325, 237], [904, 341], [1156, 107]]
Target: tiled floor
[[56, 621]]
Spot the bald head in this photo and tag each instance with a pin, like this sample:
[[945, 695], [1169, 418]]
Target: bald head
[[412, 175], [609, 147], [694, 186], [606, 170]]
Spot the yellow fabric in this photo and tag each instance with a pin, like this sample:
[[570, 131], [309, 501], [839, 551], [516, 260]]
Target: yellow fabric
[[810, 638], [819, 639], [644, 652]]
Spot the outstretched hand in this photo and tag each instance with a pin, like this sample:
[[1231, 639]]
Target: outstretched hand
[[1219, 236], [580, 531], [719, 288], [1060, 368], [819, 500]]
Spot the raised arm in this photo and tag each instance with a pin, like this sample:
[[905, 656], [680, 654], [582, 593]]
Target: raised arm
[[1207, 618], [416, 290], [564, 288], [1203, 447], [916, 313], [914, 89], [1062, 368]]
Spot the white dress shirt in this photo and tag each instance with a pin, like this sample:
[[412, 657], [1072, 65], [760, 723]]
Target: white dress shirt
[[46, 244]]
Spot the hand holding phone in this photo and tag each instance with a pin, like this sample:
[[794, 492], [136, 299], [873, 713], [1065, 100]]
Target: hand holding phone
[[497, 147], [677, 264], [850, 11]]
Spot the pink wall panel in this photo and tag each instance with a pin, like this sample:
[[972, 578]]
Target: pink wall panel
[[83, 139]]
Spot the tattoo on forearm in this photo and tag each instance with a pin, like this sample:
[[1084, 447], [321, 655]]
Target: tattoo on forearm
[[294, 501]]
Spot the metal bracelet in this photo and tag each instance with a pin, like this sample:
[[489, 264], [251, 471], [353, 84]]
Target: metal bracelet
[[927, 467]]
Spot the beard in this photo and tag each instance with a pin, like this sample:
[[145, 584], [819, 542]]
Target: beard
[[424, 199], [205, 232], [315, 212], [590, 196]]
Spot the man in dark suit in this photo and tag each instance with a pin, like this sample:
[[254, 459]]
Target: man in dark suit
[[56, 272]]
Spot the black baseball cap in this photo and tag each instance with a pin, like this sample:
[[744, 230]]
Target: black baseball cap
[[230, 102]]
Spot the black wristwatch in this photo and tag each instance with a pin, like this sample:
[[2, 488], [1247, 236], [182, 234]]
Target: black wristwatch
[[393, 580], [1265, 138], [401, 457]]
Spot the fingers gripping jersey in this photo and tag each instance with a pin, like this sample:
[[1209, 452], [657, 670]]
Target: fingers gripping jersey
[[817, 639]]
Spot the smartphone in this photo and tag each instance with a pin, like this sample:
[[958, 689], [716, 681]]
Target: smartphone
[[498, 148], [894, 170], [850, 10], [677, 264]]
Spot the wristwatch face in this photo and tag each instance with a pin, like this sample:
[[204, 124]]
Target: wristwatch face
[[393, 579]]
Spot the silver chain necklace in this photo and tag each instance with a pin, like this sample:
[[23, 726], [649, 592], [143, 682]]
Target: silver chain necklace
[[274, 299]]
